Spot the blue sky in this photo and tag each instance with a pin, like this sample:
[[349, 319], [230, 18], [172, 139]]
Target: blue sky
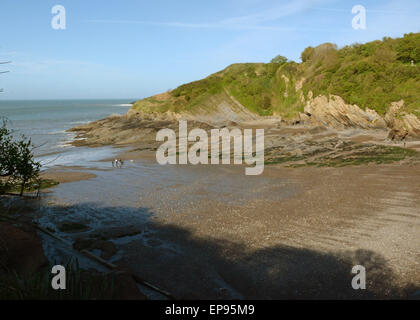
[[133, 49]]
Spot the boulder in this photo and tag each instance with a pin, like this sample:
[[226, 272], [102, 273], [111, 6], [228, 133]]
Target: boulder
[[397, 134], [412, 124], [334, 112], [402, 124]]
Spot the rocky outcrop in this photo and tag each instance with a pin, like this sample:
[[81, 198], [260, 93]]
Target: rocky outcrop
[[334, 112], [216, 110], [122, 130], [142, 122], [220, 110], [402, 124]]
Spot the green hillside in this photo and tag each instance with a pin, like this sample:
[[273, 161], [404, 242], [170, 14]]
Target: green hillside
[[370, 75]]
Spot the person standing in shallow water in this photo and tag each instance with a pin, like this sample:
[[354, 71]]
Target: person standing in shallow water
[[117, 163]]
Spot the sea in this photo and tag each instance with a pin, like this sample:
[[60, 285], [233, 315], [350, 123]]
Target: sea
[[46, 123]]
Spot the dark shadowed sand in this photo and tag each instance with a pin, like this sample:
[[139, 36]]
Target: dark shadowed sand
[[212, 232]]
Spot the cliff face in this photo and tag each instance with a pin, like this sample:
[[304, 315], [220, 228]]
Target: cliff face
[[333, 112], [355, 86], [218, 109]]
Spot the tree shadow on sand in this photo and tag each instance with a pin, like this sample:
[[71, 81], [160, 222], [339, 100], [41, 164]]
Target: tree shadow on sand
[[214, 269], [195, 268]]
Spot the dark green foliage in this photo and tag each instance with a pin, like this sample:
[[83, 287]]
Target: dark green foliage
[[307, 54], [370, 75], [408, 48], [279, 59], [17, 164]]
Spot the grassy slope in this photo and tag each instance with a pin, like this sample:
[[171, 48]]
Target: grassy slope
[[370, 75]]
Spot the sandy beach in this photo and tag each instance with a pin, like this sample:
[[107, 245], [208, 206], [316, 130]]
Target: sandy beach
[[62, 176], [328, 200], [268, 248], [209, 232]]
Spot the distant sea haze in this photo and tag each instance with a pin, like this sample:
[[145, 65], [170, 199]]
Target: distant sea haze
[[46, 122]]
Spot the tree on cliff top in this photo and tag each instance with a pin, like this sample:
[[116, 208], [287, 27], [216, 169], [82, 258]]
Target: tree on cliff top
[[279, 59]]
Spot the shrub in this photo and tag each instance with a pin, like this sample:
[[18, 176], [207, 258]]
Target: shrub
[[408, 48], [17, 164], [307, 54], [279, 59]]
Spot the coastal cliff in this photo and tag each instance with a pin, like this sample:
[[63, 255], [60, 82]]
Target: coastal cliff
[[372, 85], [336, 103]]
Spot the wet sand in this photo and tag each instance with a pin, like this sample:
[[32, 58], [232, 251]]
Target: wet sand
[[304, 245], [212, 232], [64, 176]]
